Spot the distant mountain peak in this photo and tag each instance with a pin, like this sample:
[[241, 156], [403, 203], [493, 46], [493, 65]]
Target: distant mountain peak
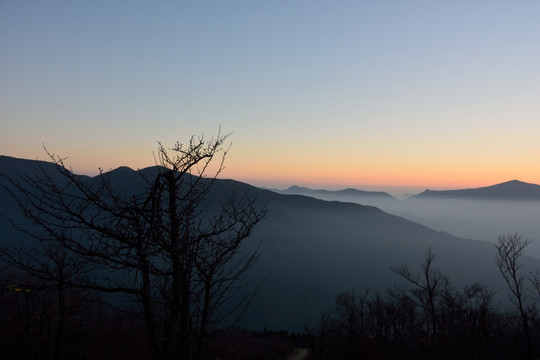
[[341, 195], [296, 188], [124, 169], [509, 190]]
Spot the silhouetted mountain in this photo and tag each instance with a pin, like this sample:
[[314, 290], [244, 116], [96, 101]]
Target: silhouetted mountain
[[349, 192], [9, 165], [373, 198], [313, 249], [510, 190]]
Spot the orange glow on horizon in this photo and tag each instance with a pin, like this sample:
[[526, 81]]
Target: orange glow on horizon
[[430, 177], [320, 169]]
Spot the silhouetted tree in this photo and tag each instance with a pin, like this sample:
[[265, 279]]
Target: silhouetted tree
[[424, 318], [319, 337], [171, 245], [41, 275], [509, 251], [427, 291], [351, 311]]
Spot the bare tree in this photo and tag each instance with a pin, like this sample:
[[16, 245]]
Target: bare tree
[[168, 243], [509, 251], [428, 288], [319, 337], [46, 271], [351, 310]]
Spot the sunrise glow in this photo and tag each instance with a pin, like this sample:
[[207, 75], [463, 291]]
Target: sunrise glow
[[366, 95]]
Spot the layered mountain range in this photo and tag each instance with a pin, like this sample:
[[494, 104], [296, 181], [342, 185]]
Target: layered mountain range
[[313, 249], [509, 190]]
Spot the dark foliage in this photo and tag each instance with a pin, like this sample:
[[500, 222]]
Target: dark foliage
[[426, 319]]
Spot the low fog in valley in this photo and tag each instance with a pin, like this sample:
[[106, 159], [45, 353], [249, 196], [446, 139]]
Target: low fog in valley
[[475, 219], [466, 218]]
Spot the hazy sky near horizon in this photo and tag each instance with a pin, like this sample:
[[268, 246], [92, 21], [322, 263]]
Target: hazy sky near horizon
[[437, 94]]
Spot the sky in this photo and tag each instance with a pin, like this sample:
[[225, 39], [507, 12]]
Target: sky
[[326, 94]]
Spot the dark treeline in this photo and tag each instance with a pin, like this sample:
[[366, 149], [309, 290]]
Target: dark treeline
[[34, 326], [40, 322], [427, 317]]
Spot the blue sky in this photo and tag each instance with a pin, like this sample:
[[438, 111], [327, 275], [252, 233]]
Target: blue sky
[[320, 93]]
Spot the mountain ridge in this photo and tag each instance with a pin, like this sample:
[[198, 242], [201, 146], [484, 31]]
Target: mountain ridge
[[312, 249], [299, 190], [509, 190]]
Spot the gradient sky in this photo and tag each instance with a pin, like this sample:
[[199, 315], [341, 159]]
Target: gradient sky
[[368, 94]]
